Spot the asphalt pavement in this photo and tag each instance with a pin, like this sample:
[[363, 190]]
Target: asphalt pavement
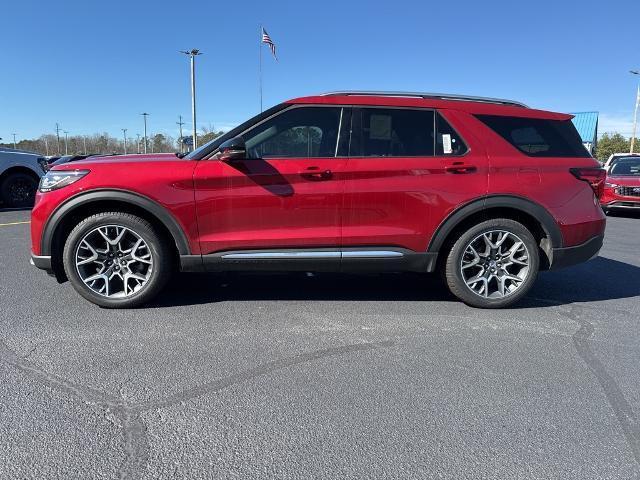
[[326, 376]]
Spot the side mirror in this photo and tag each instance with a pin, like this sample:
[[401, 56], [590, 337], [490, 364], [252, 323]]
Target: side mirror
[[232, 149]]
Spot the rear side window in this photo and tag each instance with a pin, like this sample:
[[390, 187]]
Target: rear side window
[[387, 132], [448, 142], [538, 137]]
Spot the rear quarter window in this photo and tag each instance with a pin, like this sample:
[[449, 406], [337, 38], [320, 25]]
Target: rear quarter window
[[538, 137]]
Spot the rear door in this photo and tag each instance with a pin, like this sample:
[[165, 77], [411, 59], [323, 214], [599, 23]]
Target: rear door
[[408, 169], [287, 193]]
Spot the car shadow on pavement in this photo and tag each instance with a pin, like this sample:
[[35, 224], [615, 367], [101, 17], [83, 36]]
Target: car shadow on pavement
[[191, 289], [597, 280], [11, 209]]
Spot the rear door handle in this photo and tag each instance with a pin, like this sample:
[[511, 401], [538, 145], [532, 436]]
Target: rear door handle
[[315, 174], [460, 167]]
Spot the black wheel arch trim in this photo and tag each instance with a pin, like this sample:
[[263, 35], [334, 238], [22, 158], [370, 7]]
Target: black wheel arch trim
[[136, 199], [540, 213]]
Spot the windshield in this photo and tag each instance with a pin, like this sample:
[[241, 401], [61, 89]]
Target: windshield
[[211, 146], [626, 167]]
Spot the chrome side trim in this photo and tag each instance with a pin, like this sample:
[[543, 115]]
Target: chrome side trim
[[280, 255], [312, 254], [371, 254]]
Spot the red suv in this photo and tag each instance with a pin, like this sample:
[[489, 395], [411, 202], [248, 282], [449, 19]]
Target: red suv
[[486, 191], [622, 187]]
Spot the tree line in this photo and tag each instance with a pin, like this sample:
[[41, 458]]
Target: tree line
[[103, 143], [614, 143]]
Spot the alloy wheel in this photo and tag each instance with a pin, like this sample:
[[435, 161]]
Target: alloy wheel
[[114, 261], [495, 264]]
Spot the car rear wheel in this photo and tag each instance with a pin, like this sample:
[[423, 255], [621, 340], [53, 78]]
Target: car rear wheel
[[493, 264], [116, 260], [18, 190]]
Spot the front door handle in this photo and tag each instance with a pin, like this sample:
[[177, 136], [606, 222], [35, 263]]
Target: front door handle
[[460, 167], [315, 174]]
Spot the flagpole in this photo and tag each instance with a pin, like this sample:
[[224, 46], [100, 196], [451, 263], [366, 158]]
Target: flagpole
[[260, 68]]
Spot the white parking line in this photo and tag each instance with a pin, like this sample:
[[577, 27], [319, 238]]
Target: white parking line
[[12, 223]]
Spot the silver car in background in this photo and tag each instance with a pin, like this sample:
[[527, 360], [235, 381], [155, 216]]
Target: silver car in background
[[20, 173]]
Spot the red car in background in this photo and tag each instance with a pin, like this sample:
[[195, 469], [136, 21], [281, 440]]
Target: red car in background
[[486, 191], [622, 187]]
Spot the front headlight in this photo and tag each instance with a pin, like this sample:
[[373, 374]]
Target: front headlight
[[53, 180], [610, 185]]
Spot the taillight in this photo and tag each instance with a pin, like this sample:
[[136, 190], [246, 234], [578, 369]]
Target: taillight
[[594, 176]]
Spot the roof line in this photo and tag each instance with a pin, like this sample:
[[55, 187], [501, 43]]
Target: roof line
[[438, 96]]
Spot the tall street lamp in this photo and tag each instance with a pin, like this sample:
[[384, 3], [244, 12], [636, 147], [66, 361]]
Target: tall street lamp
[[124, 133], [192, 55], [66, 142], [145, 115], [14, 141], [635, 112]]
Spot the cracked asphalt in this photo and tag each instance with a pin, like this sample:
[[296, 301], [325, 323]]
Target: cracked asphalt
[[328, 376]]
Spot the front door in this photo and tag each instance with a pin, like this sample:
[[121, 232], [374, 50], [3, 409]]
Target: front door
[[287, 193]]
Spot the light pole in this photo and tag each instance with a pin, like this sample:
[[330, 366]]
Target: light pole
[[635, 112], [180, 123], [192, 55], [138, 142], [84, 142], [58, 137], [124, 133], [145, 115], [66, 142], [14, 141]]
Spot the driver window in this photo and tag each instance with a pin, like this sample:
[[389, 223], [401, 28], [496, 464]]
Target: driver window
[[304, 132]]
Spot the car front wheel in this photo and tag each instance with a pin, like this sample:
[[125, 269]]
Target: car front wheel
[[116, 260], [19, 190], [493, 264]]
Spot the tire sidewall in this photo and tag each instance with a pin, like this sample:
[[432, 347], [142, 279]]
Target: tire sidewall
[[158, 249], [453, 272]]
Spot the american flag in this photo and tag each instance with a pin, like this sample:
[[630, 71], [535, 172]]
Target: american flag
[[267, 39]]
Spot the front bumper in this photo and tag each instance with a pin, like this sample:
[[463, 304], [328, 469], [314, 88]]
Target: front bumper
[[622, 205], [567, 256], [43, 262]]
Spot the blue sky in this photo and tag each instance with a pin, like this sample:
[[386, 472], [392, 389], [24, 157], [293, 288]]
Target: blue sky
[[95, 66]]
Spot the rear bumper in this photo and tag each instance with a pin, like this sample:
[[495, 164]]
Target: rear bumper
[[567, 256], [43, 262]]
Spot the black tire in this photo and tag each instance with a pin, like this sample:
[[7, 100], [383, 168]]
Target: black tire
[[453, 271], [158, 247], [18, 190]]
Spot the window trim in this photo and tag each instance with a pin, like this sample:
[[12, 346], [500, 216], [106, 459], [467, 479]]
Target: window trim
[[283, 111]]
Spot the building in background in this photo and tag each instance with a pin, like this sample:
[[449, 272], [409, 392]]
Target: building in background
[[587, 125]]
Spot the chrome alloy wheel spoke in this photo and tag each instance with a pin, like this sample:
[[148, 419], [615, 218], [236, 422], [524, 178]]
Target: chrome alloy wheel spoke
[[114, 261], [495, 264]]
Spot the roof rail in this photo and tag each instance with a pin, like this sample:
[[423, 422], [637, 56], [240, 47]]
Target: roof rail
[[438, 96]]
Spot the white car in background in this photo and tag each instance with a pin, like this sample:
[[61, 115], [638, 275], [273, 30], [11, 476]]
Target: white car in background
[[20, 174]]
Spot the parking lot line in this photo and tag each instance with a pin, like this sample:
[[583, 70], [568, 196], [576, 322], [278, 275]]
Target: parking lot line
[[12, 223]]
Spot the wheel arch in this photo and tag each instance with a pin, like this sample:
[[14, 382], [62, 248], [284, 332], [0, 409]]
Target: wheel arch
[[532, 215], [70, 213]]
